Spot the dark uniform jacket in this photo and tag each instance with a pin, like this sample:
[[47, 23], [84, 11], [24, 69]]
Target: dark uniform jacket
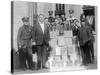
[[51, 19], [84, 35], [38, 36], [24, 35]]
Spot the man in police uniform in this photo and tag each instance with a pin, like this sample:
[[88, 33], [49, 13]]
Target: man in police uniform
[[24, 44], [51, 18], [71, 19]]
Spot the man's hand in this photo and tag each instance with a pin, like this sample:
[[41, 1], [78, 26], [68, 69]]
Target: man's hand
[[33, 43], [85, 41]]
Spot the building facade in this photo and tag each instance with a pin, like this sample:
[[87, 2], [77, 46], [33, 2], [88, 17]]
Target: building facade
[[32, 9]]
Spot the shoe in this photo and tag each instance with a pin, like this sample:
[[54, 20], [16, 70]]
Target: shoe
[[45, 67], [38, 67], [24, 69], [84, 64], [92, 62], [81, 64], [31, 68]]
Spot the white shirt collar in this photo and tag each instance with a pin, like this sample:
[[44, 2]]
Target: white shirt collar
[[42, 26]]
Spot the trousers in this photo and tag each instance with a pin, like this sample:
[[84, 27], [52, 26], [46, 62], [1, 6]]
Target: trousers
[[85, 52], [25, 55], [42, 54]]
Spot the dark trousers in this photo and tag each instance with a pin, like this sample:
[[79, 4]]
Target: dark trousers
[[25, 55], [42, 54], [91, 51], [85, 52]]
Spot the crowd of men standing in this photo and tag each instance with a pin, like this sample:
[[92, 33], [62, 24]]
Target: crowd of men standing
[[39, 36], [29, 36]]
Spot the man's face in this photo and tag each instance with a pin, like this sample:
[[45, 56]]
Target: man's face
[[41, 18], [46, 20], [71, 15], [26, 23], [50, 15], [57, 16], [62, 15]]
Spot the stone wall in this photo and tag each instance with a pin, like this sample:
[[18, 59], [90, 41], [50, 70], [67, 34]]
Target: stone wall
[[20, 10]]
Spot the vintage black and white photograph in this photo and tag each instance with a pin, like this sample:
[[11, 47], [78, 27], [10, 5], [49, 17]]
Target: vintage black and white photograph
[[52, 37]]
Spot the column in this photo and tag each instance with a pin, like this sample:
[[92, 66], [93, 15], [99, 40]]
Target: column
[[32, 11]]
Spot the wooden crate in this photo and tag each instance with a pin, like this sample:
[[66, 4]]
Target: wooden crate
[[68, 34], [68, 41]]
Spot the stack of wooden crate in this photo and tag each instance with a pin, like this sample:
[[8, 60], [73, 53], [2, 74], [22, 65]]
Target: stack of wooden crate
[[64, 50]]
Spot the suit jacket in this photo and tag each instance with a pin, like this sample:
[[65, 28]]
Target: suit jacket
[[84, 35], [38, 36]]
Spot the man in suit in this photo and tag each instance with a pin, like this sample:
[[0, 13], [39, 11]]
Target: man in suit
[[24, 44], [84, 36], [91, 42], [41, 38]]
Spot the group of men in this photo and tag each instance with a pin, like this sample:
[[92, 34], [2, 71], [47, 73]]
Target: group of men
[[29, 36], [60, 22], [39, 36], [81, 29]]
